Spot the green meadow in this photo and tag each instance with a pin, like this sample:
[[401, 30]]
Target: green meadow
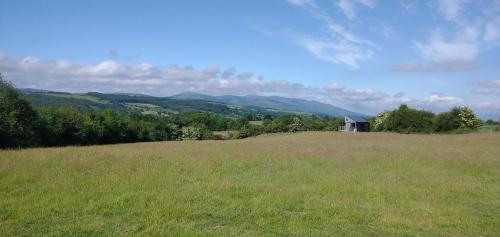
[[302, 184]]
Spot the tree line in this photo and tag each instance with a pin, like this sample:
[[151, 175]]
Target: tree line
[[23, 126], [409, 120]]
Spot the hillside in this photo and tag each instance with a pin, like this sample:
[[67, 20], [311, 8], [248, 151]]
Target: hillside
[[304, 184], [127, 103], [274, 103], [232, 106]]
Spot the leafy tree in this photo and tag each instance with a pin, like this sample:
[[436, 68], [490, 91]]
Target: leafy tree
[[335, 124], [446, 121], [467, 119], [197, 132], [236, 124], [380, 119], [407, 120], [295, 125], [459, 118], [490, 122], [61, 126], [18, 120], [249, 131]]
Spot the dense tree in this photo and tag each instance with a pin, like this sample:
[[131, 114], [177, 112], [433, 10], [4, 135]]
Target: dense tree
[[249, 130], [196, 132], [445, 122], [18, 121], [21, 126], [61, 126], [407, 120], [380, 121], [467, 119]]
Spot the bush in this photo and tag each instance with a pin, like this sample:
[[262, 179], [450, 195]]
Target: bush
[[197, 132], [249, 131], [407, 120]]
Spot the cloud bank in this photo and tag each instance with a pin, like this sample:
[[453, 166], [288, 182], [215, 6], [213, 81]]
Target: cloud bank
[[112, 76]]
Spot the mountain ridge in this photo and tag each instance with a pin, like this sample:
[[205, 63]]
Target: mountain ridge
[[273, 102], [231, 105]]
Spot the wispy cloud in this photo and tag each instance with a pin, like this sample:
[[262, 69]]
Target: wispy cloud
[[410, 6], [341, 46], [349, 6], [335, 52], [472, 32], [463, 47], [430, 67], [303, 3], [488, 88], [452, 9]]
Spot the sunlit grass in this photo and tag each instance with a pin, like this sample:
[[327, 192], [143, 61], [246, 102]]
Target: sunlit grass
[[305, 184]]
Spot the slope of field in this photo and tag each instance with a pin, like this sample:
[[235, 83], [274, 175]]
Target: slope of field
[[304, 184]]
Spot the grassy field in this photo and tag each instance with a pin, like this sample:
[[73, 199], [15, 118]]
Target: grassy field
[[304, 184]]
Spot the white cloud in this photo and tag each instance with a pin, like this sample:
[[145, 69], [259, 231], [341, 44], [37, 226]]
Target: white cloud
[[339, 32], [245, 75], [463, 47], [349, 6], [112, 76], [471, 33], [303, 3], [492, 24], [335, 52], [451, 9], [228, 73]]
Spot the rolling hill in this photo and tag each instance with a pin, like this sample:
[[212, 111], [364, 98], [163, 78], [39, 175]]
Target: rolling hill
[[131, 103], [291, 105], [232, 106]]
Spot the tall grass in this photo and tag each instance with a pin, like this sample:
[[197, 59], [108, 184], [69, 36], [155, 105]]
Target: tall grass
[[304, 184]]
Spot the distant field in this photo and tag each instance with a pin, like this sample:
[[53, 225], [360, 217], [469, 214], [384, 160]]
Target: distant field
[[304, 184], [78, 96]]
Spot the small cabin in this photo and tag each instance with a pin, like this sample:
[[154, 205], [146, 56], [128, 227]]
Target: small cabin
[[355, 124]]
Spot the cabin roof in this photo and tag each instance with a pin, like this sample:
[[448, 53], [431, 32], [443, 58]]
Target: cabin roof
[[357, 119]]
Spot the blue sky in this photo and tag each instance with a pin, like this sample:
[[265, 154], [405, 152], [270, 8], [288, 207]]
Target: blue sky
[[364, 55]]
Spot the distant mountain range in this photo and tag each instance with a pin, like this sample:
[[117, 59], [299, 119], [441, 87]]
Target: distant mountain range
[[227, 105], [283, 104]]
